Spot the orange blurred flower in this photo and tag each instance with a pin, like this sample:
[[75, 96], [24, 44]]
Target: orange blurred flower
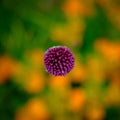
[[78, 74], [112, 9], [7, 67], [35, 109], [34, 82], [58, 82], [95, 113], [110, 50], [76, 100], [73, 8]]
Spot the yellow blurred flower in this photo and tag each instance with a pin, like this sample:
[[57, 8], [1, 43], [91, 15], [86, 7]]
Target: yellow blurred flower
[[95, 68], [35, 57], [35, 109], [69, 34], [113, 95]]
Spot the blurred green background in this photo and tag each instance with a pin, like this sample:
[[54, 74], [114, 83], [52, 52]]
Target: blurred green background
[[91, 29]]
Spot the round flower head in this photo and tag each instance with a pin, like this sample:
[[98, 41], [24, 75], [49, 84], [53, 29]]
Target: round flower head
[[58, 60]]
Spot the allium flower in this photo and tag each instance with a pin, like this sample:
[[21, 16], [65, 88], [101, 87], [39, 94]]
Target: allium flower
[[58, 60]]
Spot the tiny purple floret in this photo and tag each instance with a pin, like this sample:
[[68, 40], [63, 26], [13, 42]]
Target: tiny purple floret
[[58, 60]]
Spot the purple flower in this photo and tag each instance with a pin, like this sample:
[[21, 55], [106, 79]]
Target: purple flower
[[58, 60]]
